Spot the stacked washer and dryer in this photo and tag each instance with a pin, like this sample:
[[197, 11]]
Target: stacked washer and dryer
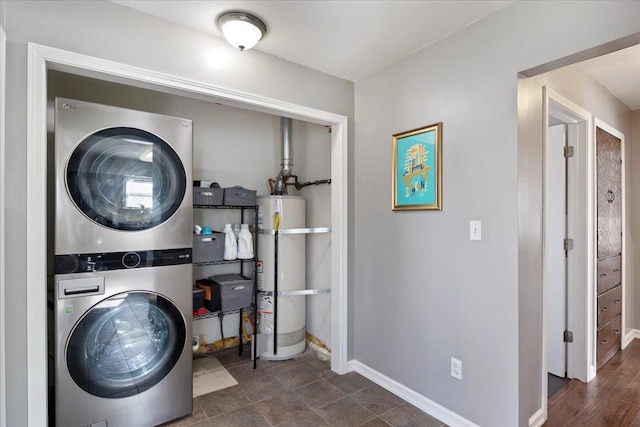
[[122, 260]]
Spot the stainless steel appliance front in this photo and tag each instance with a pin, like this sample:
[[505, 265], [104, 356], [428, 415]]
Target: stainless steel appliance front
[[121, 349], [123, 179]]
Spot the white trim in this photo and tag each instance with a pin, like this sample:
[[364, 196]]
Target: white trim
[[339, 239], [633, 334], [581, 357], [3, 321], [36, 245], [416, 399], [41, 58], [537, 419]]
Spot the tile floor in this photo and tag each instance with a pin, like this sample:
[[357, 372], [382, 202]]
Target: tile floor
[[302, 392]]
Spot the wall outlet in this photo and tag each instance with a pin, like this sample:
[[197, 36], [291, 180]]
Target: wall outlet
[[456, 368]]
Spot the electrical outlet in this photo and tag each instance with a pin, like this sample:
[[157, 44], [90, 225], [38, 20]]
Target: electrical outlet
[[456, 368]]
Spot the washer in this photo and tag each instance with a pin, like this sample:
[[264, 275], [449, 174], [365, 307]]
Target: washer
[[122, 353], [123, 179], [122, 294]]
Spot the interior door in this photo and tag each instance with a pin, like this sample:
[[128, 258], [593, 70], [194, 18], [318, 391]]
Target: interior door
[[556, 261]]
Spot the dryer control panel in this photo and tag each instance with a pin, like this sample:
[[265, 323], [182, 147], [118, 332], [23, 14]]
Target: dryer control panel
[[86, 263]]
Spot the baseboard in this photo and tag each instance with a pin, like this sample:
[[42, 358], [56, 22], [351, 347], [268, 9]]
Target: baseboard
[[630, 336], [430, 407], [537, 419]]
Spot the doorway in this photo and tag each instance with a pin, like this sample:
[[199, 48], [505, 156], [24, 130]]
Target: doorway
[[568, 241]]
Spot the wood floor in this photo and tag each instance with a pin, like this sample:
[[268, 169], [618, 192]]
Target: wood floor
[[611, 399]]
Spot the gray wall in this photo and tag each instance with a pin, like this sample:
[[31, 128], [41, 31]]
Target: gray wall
[[108, 30], [423, 291]]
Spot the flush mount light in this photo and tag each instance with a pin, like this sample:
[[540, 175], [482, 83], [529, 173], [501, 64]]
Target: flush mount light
[[241, 29]]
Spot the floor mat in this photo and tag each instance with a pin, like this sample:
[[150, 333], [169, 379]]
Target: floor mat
[[209, 376]]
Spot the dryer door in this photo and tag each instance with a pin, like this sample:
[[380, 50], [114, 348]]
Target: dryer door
[[125, 179], [125, 344]]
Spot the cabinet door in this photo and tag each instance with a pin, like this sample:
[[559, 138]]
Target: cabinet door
[[609, 165]]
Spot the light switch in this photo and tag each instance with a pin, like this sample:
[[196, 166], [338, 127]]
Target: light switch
[[475, 230]]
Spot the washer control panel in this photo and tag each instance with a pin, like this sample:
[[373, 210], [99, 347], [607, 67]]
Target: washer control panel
[[85, 263]]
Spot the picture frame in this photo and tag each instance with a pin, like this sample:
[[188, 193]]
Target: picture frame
[[417, 169]]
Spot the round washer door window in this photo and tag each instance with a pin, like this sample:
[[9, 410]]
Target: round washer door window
[[125, 344], [126, 179]]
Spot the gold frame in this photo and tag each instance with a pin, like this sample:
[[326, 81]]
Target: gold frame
[[423, 172]]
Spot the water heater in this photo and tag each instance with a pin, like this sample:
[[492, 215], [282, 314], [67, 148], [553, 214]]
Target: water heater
[[282, 317]]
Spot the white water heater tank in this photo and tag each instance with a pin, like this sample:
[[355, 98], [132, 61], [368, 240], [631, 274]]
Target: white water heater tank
[[289, 211]]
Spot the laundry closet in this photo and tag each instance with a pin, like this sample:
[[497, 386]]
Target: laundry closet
[[232, 147]]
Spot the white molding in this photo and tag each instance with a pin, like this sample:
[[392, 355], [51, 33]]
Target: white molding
[[633, 334], [3, 321], [416, 399], [537, 419], [339, 221], [36, 245], [41, 58]]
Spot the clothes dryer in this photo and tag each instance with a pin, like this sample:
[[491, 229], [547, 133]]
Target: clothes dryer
[[123, 179]]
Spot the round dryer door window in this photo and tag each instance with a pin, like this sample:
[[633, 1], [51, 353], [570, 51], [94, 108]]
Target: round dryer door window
[[126, 179], [125, 344]]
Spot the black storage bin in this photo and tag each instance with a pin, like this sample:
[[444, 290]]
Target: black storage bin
[[239, 196], [211, 294], [198, 298], [235, 291]]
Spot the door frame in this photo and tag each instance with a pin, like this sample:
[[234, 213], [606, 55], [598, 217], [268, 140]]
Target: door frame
[[40, 59], [581, 264], [625, 338], [3, 73]]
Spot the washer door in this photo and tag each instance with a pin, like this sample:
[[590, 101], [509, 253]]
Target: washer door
[[126, 179], [125, 344]]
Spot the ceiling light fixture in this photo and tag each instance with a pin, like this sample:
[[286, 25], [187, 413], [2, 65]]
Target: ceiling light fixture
[[241, 30]]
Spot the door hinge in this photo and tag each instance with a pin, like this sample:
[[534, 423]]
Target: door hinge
[[568, 151], [568, 336], [568, 244]]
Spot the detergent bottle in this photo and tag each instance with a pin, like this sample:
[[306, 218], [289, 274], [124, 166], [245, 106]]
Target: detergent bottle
[[245, 243], [230, 243]]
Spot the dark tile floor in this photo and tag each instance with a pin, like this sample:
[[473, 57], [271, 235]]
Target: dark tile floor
[[302, 392]]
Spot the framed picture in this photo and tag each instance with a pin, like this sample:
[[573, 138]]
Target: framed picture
[[417, 169]]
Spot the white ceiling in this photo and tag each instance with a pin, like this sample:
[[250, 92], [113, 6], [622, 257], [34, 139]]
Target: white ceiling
[[619, 72], [345, 38], [352, 39]]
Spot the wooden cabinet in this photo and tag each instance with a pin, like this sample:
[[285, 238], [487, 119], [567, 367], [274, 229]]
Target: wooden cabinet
[[608, 343], [608, 273], [609, 166], [609, 305], [609, 220]]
